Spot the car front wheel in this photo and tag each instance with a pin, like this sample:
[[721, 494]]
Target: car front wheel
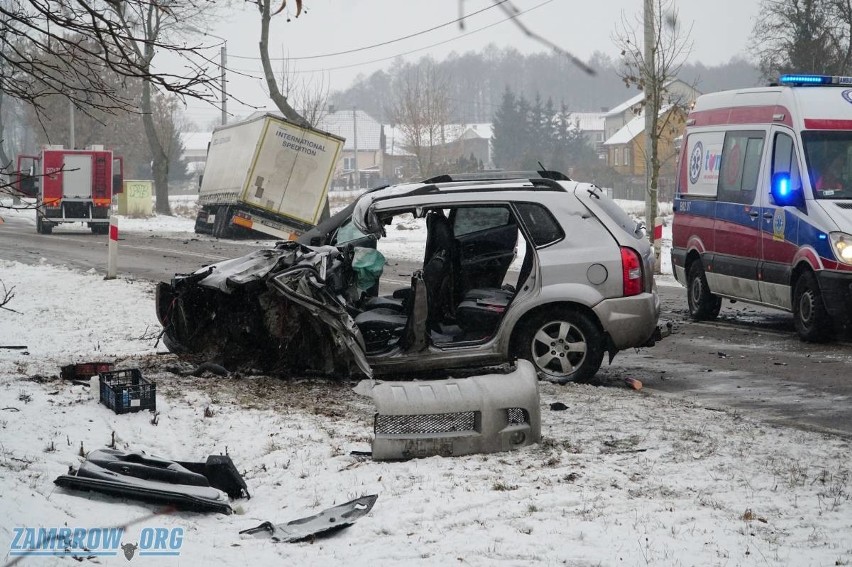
[[809, 315], [563, 344], [703, 305]]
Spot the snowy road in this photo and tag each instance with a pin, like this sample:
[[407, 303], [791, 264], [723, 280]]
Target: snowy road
[[750, 359]]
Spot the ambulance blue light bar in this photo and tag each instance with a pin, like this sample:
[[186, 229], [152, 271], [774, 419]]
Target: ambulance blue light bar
[[802, 80]]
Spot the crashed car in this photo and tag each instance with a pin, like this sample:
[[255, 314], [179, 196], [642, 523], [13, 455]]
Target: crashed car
[[531, 265]]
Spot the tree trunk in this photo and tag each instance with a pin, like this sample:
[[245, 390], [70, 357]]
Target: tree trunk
[[158, 154], [274, 92]]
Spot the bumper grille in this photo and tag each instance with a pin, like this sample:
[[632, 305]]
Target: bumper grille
[[433, 423], [517, 416]]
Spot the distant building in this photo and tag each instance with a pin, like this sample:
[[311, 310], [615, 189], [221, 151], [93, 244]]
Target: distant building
[[625, 140], [593, 127], [364, 133]]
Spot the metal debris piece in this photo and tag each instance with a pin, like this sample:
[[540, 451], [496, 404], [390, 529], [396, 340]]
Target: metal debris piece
[[322, 524]]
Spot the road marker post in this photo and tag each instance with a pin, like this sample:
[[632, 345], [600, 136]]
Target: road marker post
[[658, 244], [112, 261]]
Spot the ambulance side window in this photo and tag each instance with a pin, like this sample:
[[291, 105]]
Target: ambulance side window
[[740, 168], [784, 159]]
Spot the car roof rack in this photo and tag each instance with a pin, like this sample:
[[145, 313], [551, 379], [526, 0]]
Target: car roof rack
[[497, 175]]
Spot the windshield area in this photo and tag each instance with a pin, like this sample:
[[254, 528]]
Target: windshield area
[[829, 157]]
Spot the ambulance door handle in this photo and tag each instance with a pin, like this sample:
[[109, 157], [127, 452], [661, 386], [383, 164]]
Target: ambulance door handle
[[768, 215], [753, 214]]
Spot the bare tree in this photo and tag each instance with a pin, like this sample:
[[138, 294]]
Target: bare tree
[[146, 26], [668, 50], [308, 96], [280, 99], [803, 36], [422, 112], [6, 296], [66, 46]]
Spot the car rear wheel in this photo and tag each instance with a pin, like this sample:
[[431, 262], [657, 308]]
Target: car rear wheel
[[809, 315], [703, 305], [563, 344]]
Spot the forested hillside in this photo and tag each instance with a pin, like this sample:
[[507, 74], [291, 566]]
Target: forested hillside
[[477, 81]]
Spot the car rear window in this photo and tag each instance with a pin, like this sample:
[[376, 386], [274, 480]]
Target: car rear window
[[541, 226], [617, 214]]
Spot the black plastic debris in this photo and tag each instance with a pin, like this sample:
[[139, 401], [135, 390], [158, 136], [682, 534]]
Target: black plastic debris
[[322, 524], [201, 487]]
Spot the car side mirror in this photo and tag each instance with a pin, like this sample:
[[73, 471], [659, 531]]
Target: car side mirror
[[783, 192]]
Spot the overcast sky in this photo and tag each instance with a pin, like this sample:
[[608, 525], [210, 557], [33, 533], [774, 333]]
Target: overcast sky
[[720, 31]]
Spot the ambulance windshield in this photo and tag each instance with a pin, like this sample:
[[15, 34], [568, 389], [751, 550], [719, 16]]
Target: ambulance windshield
[[829, 157]]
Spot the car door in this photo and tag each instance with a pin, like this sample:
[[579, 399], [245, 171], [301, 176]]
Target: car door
[[737, 223], [779, 225], [487, 237]]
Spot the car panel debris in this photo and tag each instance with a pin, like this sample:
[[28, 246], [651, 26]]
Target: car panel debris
[[154, 479], [325, 523], [480, 414], [585, 286]]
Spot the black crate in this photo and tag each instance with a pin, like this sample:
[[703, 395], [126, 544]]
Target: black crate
[[125, 391]]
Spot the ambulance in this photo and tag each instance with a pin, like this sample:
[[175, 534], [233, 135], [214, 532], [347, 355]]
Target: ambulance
[[763, 207]]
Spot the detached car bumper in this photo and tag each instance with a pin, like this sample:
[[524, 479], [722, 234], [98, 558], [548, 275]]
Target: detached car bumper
[[631, 321]]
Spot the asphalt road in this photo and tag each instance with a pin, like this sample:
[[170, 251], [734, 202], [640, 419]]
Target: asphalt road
[[749, 360]]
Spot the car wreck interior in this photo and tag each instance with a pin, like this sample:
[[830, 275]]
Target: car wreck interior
[[463, 289]]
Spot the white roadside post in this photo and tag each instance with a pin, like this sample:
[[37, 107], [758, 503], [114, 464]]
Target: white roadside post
[[113, 248], [658, 244]]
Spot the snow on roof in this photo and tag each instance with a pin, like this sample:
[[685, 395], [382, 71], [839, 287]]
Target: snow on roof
[[588, 121], [630, 103], [345, 123], [632, 129]]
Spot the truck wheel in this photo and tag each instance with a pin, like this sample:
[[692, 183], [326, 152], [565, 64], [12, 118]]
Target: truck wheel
[[43, 226], [99, 228], [703, 305], [563, 345], [221, 224], [809, 315]]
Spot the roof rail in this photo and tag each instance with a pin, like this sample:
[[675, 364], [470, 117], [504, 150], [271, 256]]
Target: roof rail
[[498, 176]]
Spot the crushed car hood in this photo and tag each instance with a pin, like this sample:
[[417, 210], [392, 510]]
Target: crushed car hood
[[282, 308]]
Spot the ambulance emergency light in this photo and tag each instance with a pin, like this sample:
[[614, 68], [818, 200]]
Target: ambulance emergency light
[[782, 190], [800, 80]]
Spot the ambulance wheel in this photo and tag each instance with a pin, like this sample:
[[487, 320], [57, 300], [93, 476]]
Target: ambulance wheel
[[809, 315], [703, 305]]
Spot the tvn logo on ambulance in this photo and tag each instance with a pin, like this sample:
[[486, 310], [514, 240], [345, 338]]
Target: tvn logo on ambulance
[[101, 542]]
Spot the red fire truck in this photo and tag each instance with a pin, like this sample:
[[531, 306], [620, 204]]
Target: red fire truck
[[71, 185]]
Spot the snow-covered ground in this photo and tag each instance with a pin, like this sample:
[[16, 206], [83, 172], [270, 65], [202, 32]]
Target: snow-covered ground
[[622, 477]]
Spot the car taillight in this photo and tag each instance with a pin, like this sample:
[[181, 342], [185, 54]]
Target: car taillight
[[631, 271]]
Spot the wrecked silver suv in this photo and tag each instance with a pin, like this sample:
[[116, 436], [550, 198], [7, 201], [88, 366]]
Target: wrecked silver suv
[[536, 267]]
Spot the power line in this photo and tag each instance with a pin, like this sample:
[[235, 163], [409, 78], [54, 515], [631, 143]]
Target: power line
[[512, 17], [366, 47]]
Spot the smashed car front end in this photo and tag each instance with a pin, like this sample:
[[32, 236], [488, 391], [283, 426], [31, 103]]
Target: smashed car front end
[[275, 309]]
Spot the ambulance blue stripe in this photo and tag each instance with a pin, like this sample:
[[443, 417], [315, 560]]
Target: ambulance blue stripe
[[801, 233]]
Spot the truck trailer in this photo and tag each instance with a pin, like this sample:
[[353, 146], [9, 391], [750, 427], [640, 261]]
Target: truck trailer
[[268, 175]]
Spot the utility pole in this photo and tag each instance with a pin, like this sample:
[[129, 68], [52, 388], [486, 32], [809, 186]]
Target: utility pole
[[355, 143], [223, 62], [651, 111], [71, 135]]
